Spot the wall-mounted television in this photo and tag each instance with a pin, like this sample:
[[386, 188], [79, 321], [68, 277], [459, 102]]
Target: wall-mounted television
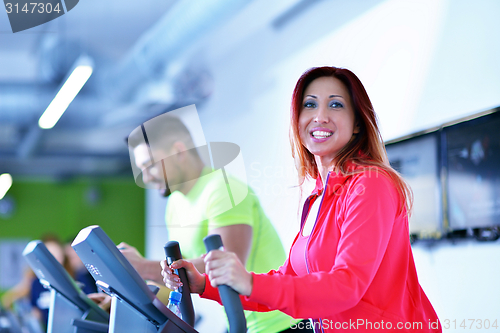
[[473, 172], [417, 159], [454, 172]]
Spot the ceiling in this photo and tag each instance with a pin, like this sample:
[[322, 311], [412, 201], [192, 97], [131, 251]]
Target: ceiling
[[139, 51]]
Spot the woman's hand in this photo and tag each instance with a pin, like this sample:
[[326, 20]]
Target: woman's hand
[[225, 268], [172, 280]]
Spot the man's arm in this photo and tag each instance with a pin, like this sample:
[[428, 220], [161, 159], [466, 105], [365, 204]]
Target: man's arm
[[148, 269], [236, 238]]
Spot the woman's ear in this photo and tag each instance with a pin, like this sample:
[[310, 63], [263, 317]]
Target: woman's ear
[[356, 129]]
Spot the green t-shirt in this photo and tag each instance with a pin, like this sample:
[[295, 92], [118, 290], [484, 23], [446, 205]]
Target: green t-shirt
[[213, 203]]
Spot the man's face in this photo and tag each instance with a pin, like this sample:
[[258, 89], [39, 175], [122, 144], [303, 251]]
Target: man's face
[[154, 174]]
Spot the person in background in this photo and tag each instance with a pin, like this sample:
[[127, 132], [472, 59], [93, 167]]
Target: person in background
[[81, 275], [39, 295], [350, 266], [196, 208], [20, 290], [31, 288]]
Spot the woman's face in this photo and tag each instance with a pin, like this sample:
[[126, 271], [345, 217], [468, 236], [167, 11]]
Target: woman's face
[[326, 121], [56, 250]]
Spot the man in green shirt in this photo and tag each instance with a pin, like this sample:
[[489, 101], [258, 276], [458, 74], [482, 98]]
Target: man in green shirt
[[202, 202]]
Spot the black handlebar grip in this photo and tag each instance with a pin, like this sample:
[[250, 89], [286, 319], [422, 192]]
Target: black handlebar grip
[[173, 253], [230, 298]]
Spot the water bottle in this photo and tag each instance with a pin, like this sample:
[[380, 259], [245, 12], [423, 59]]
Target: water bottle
[[174, 301]]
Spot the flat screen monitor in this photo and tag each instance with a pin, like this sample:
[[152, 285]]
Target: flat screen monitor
[[53, 275], [416, 158], [473, 177], [111, 269]]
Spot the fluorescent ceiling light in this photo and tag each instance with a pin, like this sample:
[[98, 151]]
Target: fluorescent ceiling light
[[5, 184], [65, 96]]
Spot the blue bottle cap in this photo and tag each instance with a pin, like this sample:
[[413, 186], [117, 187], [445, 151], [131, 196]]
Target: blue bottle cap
[[175, 295]]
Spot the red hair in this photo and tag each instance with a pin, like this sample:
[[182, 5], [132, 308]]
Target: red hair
[[366, 149]]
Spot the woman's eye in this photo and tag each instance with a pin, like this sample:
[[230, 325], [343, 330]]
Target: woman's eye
[[309, 104], [336, 104]]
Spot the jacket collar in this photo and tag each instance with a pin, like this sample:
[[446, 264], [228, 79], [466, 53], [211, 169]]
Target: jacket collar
[[334, 179]]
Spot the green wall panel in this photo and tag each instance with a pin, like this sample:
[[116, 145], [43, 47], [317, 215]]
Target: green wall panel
[[64, 208]]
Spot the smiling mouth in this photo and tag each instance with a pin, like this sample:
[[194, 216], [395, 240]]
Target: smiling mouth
[[321, 134]]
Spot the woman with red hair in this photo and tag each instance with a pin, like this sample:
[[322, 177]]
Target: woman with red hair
[[350, 266]]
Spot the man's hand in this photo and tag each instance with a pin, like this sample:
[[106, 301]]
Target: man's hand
[[101, 299], [148, 269]]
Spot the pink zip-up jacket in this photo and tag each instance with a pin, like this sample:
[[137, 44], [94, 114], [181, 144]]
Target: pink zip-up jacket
[[362, 275]]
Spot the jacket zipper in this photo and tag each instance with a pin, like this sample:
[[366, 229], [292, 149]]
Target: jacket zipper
[[309, 238]]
